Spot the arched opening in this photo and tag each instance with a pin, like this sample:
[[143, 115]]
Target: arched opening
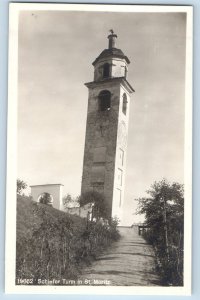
[[46, 198], [104, 100], [106, 70], [124, 105]]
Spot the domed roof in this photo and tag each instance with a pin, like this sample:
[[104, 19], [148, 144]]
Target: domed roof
[[111, 52]]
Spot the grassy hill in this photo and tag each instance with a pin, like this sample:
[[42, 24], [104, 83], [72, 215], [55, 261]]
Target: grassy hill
[[30, 216], [52, 244]]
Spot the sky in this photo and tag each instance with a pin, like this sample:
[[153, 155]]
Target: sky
[[56, 51]]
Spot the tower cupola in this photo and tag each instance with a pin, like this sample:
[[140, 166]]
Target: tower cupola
[[112, 62]]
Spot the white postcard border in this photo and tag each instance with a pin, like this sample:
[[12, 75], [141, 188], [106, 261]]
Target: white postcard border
[[10, 254]]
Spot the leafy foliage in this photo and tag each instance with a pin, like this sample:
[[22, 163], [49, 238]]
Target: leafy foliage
[[54, 245], [21, 186], [100, 208], [164, 213], [46, 198], [69, 201]]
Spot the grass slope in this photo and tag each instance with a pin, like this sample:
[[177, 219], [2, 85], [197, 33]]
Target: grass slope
[[30, 216], [52, 244]]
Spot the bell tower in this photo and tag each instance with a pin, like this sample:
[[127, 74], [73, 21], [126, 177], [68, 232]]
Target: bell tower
[[107, 127]]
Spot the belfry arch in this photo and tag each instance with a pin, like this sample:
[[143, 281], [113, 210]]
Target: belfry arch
[[54, 190], [104, 100], [106, 70]]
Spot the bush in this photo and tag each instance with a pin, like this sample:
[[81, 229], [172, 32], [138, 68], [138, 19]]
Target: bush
[[100, 208], [21, 186], [57, 245], [164, 212]]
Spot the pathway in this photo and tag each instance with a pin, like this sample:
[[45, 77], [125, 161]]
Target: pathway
[[128, 262]]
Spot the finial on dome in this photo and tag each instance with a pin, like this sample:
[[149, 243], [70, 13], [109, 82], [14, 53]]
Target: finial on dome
[[112, 37]]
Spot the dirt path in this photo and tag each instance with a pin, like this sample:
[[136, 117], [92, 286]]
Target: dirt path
[[128, 262]]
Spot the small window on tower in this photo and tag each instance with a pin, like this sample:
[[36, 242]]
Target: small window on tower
[[124, 106], [106, 70], [104, 100]]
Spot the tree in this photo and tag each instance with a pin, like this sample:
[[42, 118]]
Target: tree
[[46, 198], [21, 186], [164, 215], [100, 207], [69, 201], [164, 205]]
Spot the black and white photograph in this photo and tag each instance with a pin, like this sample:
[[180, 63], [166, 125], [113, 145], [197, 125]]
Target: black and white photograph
[[99, 172]]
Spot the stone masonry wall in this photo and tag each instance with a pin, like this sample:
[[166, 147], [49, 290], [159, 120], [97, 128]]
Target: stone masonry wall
[[101, 131]]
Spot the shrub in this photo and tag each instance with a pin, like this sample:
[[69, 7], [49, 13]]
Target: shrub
[[57, 245], [100, 208], [164, 212], [21, 186]]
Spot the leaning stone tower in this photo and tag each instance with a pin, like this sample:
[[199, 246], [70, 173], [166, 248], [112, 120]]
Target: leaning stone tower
[[107, 127]]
